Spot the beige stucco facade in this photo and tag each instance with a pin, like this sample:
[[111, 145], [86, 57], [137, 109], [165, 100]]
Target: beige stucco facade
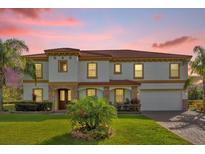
[[156, 90]]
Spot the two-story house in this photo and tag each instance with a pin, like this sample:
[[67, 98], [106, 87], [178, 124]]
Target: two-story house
[[64, 74]]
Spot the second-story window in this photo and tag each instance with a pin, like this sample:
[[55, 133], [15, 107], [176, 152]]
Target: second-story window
[[62, 66], [39, 71], [174, 70], [92, 70], [138, 71], [117, 68]]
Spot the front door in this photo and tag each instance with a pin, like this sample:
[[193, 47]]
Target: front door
[[63, 95]]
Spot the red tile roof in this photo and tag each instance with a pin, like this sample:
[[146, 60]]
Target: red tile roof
[[136, 54], [112, 54], [41, 55]]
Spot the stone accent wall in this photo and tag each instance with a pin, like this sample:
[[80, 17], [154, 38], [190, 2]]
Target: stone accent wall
[[106, 93], [184, 104], [134, 92]]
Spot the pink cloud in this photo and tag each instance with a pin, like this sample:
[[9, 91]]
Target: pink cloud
[[33, 13], [12, 30], [174, 42], [70, 21]]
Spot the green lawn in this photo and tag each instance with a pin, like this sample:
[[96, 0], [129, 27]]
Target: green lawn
[[55, 129]]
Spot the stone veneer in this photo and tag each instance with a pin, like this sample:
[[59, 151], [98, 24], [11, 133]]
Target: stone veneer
[[134, 92]]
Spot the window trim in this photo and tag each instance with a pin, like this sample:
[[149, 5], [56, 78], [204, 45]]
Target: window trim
[[91, 89], [41, 71], [142, 71], [120, 68], [59, 66], [88, 77], [42, 93], [170, 77], [123, 95]]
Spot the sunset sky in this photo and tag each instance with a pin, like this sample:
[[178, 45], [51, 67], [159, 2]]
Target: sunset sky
[[163, 30]]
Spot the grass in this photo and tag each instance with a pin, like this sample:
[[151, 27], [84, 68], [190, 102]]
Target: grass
[[55, 129]]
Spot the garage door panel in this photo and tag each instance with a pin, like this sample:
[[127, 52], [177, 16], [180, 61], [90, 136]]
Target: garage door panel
[[161, 100]]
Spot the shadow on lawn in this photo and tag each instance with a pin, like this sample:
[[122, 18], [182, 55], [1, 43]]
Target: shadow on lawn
[[67, 139]]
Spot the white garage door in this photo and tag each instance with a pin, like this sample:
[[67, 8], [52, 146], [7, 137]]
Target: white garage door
[[161, 100]]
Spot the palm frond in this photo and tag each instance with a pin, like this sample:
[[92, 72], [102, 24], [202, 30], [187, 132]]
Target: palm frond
[[188, 82], [17, 45]]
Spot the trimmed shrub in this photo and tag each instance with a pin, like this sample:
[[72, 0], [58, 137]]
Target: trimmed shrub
[[91, 118], [9, 107], [33, 106]]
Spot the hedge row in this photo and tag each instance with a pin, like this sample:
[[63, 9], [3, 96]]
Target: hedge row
[[30, 106]]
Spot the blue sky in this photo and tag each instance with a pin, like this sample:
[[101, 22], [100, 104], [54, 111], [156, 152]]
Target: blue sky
[[162, 30]]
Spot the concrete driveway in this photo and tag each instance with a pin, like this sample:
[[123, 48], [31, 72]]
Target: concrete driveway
[[189, 125]]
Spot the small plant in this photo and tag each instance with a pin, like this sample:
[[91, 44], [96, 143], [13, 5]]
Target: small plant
[[195, 93], [91, 118]]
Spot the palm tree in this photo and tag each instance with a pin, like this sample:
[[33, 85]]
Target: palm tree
[[198, 66], [11, 57]]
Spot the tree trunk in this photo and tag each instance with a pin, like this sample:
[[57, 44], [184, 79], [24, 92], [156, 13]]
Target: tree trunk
[[1, 90], [204, 90]]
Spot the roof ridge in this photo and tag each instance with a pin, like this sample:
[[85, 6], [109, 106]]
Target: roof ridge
[[93, 52], [35, 54], [165, 53]]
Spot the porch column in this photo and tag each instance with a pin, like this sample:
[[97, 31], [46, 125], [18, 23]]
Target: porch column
[[106, 93], [134, 92], [74, 92], [52, 97]]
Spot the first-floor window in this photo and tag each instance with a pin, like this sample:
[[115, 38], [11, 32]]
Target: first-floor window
[[69, 95], [91, 92], [119, 95], [38, 95]]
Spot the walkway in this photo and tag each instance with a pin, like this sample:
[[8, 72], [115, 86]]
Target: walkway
[[189, 125]]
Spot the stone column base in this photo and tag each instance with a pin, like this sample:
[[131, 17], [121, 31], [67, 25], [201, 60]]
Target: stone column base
[[185, 105]]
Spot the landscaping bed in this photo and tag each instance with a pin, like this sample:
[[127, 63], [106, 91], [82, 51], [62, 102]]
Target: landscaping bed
[[195, 105]]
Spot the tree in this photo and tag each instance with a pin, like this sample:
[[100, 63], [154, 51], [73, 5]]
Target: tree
[[11, 58], [198, 66]]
